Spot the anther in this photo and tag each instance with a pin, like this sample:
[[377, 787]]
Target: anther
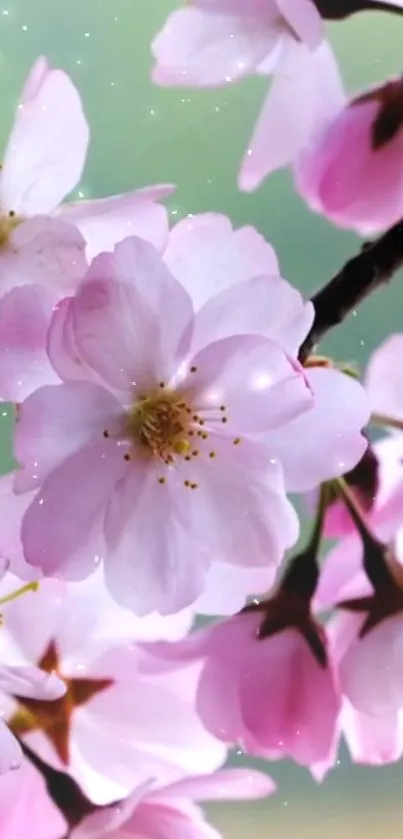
[[126, 457], [222, 408], [204, 435], [106, 433], [237, 441], [194, 486], [193, 369], [201, 422], [162, 384], [11, 214], [188, 457], [195, 452], [181, 447], [161, 480], [224, 419], [187, 483], [191, 433], [195, 418], [212, 454]]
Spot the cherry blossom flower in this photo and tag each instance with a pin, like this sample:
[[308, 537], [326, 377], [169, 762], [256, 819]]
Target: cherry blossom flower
[[172, 411], [217, 42], [107, 732], [274, 696], [26, 809], [351, 169], [170, 812], [43, 243]]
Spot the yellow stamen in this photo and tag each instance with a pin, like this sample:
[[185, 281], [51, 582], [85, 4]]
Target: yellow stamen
[[8, 598]]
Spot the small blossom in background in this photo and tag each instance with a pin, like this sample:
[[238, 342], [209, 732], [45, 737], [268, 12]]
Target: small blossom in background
[[170, 812], [107, 731], [217, 43], [350, 169]]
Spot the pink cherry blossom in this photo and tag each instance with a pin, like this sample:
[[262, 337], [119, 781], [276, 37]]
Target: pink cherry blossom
[[130, 337], [269, 695], [170, 812], [110, 734], [26, 809], [44, 243], [217, 42], [351, 169], [131, 324]]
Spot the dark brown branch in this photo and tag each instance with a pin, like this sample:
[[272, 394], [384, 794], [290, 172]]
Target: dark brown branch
[[361, 275], [63, 791], [339, 9]]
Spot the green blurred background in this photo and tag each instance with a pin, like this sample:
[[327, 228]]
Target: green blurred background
[[141, 135]]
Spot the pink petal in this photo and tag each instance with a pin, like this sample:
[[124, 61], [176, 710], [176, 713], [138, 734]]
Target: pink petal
[[224, 785], [45, 251], [10, 752], [265, 305], [179, 821], [373, 740], [105, 222], [198, 47], [227, 588], [329, 436], [57, 421], [124, 736], [294, 107], [259, 385], [31, 682], [62, 346], [207, 255], [13, 508], [131, 317], [289, 701], [341, 575], [110, 819], [256, 522], [340, 174], [26, 808], [304, 19], [384, 378], [379, 652], [58, 527], [25, 314], [46, 150], [33, 620], [143, 521]]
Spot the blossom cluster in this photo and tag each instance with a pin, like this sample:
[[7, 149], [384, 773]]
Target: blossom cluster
[[166, 415]]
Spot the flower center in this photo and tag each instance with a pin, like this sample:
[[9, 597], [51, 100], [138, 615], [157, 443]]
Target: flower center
[[8, 223], [162, 424]]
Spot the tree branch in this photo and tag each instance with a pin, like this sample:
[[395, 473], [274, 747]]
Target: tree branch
[[339, 9], [361, 275]]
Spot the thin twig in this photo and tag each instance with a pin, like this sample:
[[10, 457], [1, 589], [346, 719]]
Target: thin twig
[[374, 266]]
